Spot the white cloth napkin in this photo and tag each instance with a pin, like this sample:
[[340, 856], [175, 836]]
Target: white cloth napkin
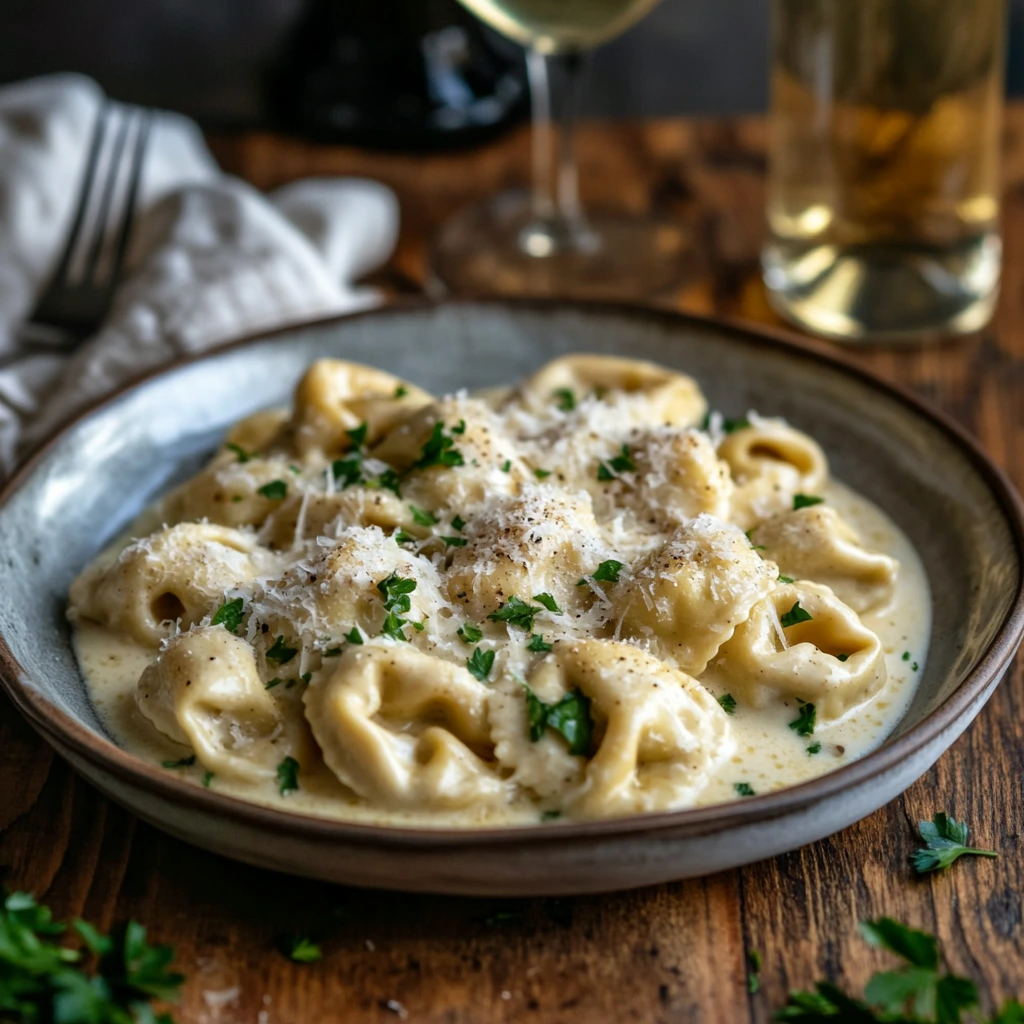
[[210, 258]]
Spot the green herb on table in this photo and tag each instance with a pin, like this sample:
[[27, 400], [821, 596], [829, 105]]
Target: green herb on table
[[240, 453], [43, 982], [516, 612], [480, 663], [460, 428], [439, 450], [753, 972], [607, 572], [287, 775], [914, 993], [569, 717], [946, 841], [728, 703], [299, 948], [276, 490], [403, 537], [280, 653], [565, 399], [229, 615], [743, 789], [621, 463], [731, 426], [469, 634], [276, 681], [506, 466], [806, 501], [794, 615], [184, 762], [393, 627], [805, 721], [549, 602]]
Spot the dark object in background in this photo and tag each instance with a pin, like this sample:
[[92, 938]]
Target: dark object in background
[[406, 74]]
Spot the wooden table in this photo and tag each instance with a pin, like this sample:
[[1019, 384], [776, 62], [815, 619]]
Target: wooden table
[[674, 953]]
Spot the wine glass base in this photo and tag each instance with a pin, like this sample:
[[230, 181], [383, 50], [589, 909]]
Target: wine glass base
[[501, 248]]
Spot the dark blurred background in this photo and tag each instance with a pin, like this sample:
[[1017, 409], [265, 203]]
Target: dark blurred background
[[222, 61]]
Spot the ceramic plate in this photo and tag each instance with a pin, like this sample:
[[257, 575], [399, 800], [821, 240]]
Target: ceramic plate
[[924, 472]]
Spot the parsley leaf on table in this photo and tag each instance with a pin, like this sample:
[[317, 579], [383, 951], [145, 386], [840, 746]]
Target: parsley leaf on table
[[946, 840], [299, 948]]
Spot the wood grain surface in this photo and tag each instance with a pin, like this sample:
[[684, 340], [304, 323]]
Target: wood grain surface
[[673, 953]]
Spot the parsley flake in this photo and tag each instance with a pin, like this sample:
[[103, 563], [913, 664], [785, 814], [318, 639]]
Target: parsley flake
[[357, 435], [458, 523], [240, 453], [184, 762], [786, 579], [276, 490], [753, 547], [622, 463], [814, 748], [516, 612], [421, 517], [353, 636], [565, 399], [480, 663], [794, 615], [280, 653], [946, 840], [804, 723], [395, 591], [607, 572], [743, 789], [347, 472], [728, 702], [542, 474], [401, 391], [393, 627], [570, 718], [906, 655], [806, 501], [299, 949], [439, 450], [538, 645], [506, 465], [455, 542], [469, 634], [549, 602], [287, 775], [229, 615]]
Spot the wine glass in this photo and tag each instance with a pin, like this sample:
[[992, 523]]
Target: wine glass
[[541, 242]]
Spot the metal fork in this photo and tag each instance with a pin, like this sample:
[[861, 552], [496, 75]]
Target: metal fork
[[79, 294]]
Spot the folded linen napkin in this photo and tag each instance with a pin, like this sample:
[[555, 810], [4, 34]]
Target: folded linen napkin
[[210, 258]]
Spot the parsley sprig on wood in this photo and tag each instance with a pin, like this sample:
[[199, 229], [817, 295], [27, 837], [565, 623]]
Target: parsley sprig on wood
[[945, 842]]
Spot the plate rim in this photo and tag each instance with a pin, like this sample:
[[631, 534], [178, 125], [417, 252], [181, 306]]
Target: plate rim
[[61, 729]]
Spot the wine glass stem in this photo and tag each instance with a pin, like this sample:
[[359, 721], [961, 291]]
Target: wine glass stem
[[560, 224]]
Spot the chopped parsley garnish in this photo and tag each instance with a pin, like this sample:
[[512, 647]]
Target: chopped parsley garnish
[[395, 591], [506, 465], [388, 481], [906, 655], [347, 472], [753, 972], [401, 391], [207, 779], [570, 718], [842, 657], [240, 453], [458, 523], [353, 636], [297, 470], [403, 537], [439, 450], [804, 723], [786, 579], [806, 501], [299, 949], [516, 612], [915, 993], [43, 982], [480, 663], [276, 490], [335, 652], [184, 762], [814, 748], [422, 517], [542, 474], [913, 668], [455, 542], [393, 625], [357, 435], [946, 840], [607, 572], [728, 702], [794, 615], [306, 676], [229, 615], [549, 602], [418, 626], [469, 634], [276, 681], [743, 789], [280, 653], [538, 645], [287, 775], [565, 399], [731, 426], [550, 815], [461, 428], [622, 463]]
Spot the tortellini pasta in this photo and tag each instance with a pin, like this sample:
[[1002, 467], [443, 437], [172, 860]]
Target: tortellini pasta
[[581, 597]]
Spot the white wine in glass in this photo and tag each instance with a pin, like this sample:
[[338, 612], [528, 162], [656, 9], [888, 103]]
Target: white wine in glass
[[541, 243]]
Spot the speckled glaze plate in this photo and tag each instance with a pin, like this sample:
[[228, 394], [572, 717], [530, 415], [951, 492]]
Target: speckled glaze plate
[[91, 479]]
